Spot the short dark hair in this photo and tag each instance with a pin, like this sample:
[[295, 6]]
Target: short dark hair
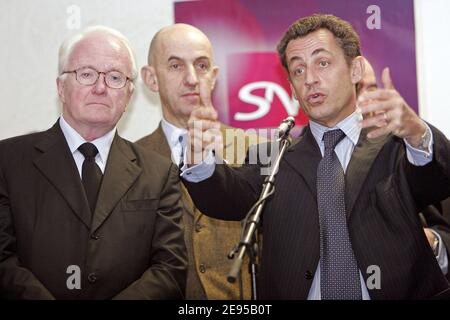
[[343, 32]]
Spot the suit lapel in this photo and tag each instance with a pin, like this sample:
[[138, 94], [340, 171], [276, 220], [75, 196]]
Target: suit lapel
[[359, 166], [157, 141], [120, 173], [57, 164], [304, 156]]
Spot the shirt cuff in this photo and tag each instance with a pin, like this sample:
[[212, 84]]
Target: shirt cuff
[[420, 157], [442, 257], [201, 171]]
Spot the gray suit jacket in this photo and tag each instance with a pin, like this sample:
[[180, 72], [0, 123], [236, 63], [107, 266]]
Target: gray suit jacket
[[131, 248]]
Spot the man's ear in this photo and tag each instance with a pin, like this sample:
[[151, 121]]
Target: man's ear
[[357, 69], [131, 89], [215, 73], [148, 74], [60, 85]]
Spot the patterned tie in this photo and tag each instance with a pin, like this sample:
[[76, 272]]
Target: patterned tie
[[91, 174], [182, 140], [339, 274]]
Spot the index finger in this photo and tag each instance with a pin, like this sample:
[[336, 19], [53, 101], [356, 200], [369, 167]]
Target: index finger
[[377, 94], [205, 94], [386, 79], [206, 113]]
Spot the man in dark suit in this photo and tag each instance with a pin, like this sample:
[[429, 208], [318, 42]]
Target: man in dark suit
[[85, 214], [180, 60], [436, 226], [343, 221]]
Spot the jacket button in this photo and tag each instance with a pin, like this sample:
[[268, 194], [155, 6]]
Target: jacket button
[[92, 277], [308, 275], [198, 227], [95, 237], [202, 268]]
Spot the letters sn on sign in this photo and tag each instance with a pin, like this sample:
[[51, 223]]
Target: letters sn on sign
[[264, 103]]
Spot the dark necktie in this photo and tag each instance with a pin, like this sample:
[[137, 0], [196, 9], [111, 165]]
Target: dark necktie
[[339, 273], [91, 174], [182, 141]]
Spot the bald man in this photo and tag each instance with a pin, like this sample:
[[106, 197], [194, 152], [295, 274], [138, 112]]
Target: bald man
[[181, 69], [369, 80], [435, 220]]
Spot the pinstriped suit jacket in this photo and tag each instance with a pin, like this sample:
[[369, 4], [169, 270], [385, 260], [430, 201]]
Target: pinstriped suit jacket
[[383, 194]]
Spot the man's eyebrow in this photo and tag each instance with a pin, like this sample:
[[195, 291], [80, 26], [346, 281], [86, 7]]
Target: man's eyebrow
[[202, 58], [294, 59], [174, 58], [196, 59], [320, 50]]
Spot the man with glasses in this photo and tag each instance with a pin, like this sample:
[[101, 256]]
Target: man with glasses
[[85, 214], [88, 76]]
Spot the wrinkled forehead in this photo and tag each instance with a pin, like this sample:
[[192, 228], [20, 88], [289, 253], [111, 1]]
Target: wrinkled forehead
[[103, 52], [185, 45], [321, 40]]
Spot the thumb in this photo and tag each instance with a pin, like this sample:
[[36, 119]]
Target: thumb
[[386, 79]]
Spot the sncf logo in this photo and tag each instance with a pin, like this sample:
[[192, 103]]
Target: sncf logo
[[259, 95], [264, 103]]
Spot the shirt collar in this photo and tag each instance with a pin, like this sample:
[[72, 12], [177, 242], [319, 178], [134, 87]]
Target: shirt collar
[[350, 126], [172, 132], [74, 140]]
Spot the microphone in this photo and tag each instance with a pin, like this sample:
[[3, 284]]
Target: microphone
[[285, 126]]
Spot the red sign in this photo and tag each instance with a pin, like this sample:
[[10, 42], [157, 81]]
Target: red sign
[[259, 95]]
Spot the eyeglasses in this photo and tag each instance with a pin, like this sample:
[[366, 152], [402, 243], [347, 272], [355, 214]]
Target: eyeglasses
[[89, 76]]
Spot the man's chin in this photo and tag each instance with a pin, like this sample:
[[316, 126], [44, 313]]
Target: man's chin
[[319, 115], [188, 108]]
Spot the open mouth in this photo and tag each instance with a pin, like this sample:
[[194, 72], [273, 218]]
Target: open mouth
[[316, 98]]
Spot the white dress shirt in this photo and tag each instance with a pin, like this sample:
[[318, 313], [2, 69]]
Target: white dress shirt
[[176, 138], [344, 149], [74, 140]]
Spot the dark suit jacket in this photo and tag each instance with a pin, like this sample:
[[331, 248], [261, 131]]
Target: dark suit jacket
[[208, 240], [383, 195], [132, 249], [440, 223], [446, 208]]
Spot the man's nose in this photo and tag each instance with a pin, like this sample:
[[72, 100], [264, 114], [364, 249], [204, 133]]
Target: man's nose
[[100, 85], [311, 77], [190, 77]]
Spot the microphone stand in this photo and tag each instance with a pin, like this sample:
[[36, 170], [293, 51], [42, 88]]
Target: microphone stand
[[248, 243]]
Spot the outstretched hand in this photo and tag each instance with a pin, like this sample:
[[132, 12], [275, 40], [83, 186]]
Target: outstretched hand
[[387, 111]]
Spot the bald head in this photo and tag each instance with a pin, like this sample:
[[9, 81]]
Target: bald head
[[180, 34], [181, 69]]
